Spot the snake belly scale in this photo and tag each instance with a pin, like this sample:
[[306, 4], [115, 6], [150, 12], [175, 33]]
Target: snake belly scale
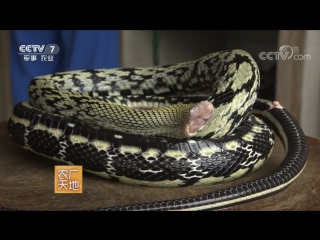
[[146, 126]]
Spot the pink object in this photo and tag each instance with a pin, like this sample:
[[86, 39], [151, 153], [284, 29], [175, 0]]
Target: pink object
[[199, 116]]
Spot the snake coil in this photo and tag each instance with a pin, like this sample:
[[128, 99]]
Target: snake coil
[[146, 126]]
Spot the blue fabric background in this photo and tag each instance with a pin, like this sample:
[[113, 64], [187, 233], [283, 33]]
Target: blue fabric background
[[79, 49]]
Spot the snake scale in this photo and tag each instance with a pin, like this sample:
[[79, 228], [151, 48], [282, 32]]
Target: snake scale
[[188, 124]]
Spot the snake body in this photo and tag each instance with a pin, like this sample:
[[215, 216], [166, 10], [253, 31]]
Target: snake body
[[144, 126]]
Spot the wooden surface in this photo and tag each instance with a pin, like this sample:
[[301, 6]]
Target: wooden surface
[[27, 182]]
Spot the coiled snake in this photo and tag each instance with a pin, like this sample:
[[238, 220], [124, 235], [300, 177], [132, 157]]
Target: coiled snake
[[161, 127]]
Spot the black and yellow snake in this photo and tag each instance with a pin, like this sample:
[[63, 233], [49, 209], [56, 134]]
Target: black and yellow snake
[[188, 124]]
